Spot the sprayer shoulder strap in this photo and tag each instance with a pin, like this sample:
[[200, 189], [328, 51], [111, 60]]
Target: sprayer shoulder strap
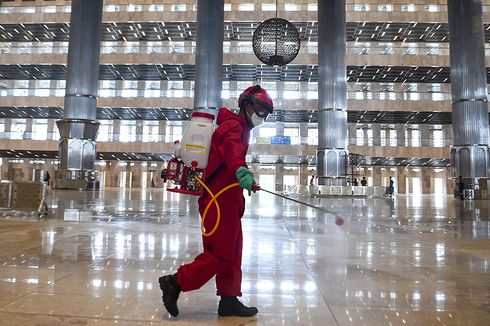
[[215, 172]]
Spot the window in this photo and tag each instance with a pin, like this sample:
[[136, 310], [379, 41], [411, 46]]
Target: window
[[312, 92], [49, 9], [155, 8], [415, 138], [225, 90], [177, 47], [150, 131], [382, 135], [312, 47], [18, 128], [227, 7], [361, 48], [359, 137], [431, 8], [40, 129], [438, 136], [409, 49], [109, 47], [435, 91], [178, 7], [25, 47], [128, 131], [175, 88], [130, 88], [105, 130], [21, 87], [385, 7], [293, 133], [152, 88], [268, 7], [291, 7], [291, 90], [411, 92], [134, 8], [245, 47], [386, 49], [271, 88], [312, 7], [111, 8], [246, 7], [42, 88], [393, 137], [107, 88], [408, 8], [47, 47], [154, 47], [226, 47], [361, 7], [312, 135], [432, 49], [132, 47]]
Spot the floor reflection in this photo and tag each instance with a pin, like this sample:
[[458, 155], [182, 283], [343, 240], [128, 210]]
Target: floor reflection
[[97, 256]]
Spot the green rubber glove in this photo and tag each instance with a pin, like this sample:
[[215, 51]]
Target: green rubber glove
[[245, 179]]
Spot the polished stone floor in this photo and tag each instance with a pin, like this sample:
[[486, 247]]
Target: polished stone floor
[[96, 258]]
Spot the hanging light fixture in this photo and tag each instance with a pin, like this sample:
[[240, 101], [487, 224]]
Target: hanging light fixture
[[276, 41]]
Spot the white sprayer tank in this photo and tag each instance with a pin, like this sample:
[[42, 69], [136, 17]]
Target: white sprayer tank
[[196, 141]]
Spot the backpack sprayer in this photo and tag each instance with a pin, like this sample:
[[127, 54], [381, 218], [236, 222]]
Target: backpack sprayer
[[187, 168]]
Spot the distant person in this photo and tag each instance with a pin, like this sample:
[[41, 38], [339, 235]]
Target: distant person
[[461, 187], [355, 183], [363, 182], [391, 188], [47, 177], [312, 181]]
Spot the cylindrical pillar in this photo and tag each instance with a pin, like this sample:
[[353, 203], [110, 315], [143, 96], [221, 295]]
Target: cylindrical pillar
[[209, 55], [332, 93], [78, 129], [470, 154]]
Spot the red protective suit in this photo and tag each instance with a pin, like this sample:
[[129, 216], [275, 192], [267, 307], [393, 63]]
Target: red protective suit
[[222, 254]]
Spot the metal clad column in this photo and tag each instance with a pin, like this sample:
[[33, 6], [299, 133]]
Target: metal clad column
[[209, 55], [469, 92], [332, 93], [78, 129]]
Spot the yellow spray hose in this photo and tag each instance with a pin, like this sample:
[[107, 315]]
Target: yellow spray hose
[[213, 200]]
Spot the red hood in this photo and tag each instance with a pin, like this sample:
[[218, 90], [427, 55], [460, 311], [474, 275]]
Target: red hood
[[224, 114]]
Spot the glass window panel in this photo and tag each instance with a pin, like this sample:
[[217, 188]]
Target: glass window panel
[[105, 130], [132, 47], [40, 129], [134, 8], [291, 7], [268, 7], [128, 131], [156, 8], [408, 8], [18, 128], [385, 7], [312, 136], [361, 7], [227, 7], [359, 137], [246, 7], [178, 7], [312, 7]]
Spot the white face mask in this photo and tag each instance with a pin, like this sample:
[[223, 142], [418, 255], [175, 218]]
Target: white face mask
[[256, 120]]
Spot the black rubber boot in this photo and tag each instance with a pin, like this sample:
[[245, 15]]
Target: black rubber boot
[[171, 290], [231, 306]]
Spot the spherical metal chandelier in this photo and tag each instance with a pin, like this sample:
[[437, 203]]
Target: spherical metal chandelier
[[276, 41]]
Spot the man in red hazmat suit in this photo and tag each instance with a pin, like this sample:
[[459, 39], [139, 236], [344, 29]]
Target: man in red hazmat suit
[[222, 256]]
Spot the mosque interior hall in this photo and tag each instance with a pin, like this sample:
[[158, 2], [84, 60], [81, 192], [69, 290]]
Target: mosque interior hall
[[372, 160]]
